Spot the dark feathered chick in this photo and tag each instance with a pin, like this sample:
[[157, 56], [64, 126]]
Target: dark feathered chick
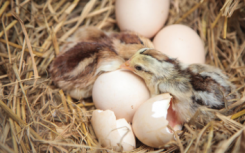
[[192, 86], [90, 52]]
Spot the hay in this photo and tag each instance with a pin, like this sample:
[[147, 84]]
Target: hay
[[35, 116]]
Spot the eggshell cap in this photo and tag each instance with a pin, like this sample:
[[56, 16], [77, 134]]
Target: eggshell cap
[[111, 132]]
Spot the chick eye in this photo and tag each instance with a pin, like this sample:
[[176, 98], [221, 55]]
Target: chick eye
[[137, 67], [141, 42]]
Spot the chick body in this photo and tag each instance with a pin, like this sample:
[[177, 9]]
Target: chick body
[[192, 86], [90, 52]]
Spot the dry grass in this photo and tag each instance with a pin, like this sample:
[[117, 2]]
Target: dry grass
[[35, 116]]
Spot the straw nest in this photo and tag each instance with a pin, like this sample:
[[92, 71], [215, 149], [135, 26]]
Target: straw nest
[[36, 116]]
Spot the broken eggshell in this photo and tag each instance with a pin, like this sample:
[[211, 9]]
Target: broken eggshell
[[112, 133], [151, 120]]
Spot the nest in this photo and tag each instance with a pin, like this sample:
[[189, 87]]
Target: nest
[[36, 116]]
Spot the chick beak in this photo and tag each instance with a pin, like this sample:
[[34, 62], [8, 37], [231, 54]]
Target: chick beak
[[126, 66]]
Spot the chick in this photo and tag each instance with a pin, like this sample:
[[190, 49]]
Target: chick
[[125, 43], [89, 53], [192, 86]]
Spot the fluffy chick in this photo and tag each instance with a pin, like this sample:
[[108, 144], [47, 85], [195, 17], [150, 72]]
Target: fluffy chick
[[90, 52], [192, 86]]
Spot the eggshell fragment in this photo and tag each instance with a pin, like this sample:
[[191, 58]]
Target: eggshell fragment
[[112, 133], [145, 17], [150, 123], [181, 42], [120, 91]]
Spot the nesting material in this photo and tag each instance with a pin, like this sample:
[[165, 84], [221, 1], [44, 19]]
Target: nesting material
[[36, 116]]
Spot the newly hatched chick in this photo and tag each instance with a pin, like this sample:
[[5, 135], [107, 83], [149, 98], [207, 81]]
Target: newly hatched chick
[[90, 52], [191, 85]]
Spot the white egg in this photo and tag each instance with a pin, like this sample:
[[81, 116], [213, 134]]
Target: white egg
[[111, 132], [145, 17], [120, 91], [151, 120], [181, 42]]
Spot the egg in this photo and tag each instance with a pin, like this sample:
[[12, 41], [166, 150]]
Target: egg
[[111, 132], [181, 42], [145, 17], [151, 120], [119, 91]]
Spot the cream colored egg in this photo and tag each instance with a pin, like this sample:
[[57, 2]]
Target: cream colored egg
[[145, 17], [111, 132], [120, 91], [150, 122], [181, 42]]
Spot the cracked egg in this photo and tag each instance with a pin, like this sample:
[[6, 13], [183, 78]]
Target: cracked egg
[[151, 120]]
